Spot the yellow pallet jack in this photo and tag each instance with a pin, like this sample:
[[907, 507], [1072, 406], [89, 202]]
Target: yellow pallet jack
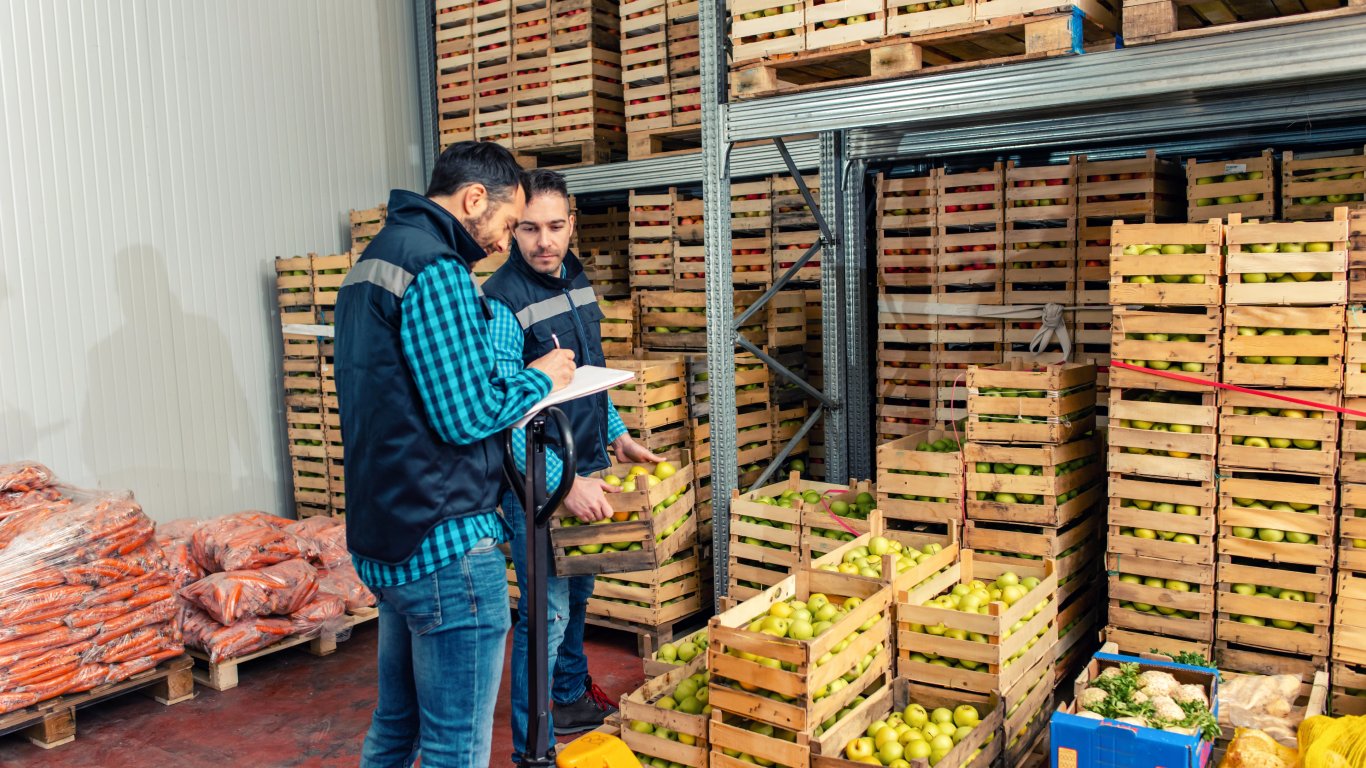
[[592, 750]]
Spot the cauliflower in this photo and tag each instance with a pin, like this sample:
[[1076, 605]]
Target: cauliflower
[[1166, 708], [1091, 698], [1155, 683], [1110, 672], [1139, 697], [1188, 693]]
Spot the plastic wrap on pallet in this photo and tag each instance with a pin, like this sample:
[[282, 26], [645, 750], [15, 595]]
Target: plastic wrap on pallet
[[86, 595], [246, 540]]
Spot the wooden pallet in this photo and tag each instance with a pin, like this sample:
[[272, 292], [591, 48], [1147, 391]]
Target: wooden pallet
[[1155, 21], [222, 676], [52, 723], [605, 147], [649, 639], [663, 142], [1050, 30]]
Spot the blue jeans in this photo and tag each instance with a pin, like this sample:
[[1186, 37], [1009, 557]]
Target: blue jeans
[[561, 627], [440, 662], [571, 667]]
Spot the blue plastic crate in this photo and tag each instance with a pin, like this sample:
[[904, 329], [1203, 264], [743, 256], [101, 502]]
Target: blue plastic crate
[[1082, 742]]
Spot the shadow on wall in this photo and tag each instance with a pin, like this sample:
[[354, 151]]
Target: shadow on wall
[[165, 415]]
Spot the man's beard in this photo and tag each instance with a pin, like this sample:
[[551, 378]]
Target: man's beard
[[479, 230]]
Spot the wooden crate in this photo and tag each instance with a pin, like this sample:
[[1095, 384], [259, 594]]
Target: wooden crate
[[729, 636], [1144, 186], [1352, 466], [1184, 339], [905, 374], [641, 706], [1314, 613], [1349, 619], [618, 327], [686, 312], [761, 535], [940, 547], [1313, 186], [1356, 254], [1280, 263], [649, 530], [829, 23], [1138, 447], [1005, 658], [907, 204], [1028, 709], [920, 485], [1012, 403], [787, 419], [1349, 688], [898, 418], [901, 694], [756, 34], [751, 205], [652, 215], [651, 265], [1138, 642], [1041, 193], [1354, 374], [1297, 504], [1040, 261], [1305, 351], [1176, 612], [655, 398], [1166, 264], [789, 247], [970, 236], [1070, 482], [365, 225], [751, 263], [906, 261], [824, 531], [1032, 542], [1217, 189], [1352, 528], [790, 210], [1166, 507], [653, 599], [1288, 437], [1093, 262], [1150, 21], [786, 320]]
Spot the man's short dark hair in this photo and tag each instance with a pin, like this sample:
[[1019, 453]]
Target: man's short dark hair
[[546, 182], [477, 162]]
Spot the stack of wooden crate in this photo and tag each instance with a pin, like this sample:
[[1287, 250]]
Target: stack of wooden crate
[[365, 225], [602, 238], [1284, 335], [815, 368], [1349, 634], [306, 289], [455, 71], [1314, 184], [906, 338], [1219, 188], [650, 232], [794, 227], [1138, 190], [1163, 436], [661, 63], [1040, 249]]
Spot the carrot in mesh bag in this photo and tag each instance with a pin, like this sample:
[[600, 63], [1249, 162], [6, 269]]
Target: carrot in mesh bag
[[88, 676], [122, 625], [126, 590], [234, 595], [28, 695], [343, 582], [126, 669], [30, 645], [180, 563], [141, 642], [24, 476], [42, 604], [243, 541], [325, 612]]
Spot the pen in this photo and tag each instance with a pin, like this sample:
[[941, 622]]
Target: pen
[[555, 339]]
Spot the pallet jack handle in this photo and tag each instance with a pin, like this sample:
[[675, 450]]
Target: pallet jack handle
[[537, 508]]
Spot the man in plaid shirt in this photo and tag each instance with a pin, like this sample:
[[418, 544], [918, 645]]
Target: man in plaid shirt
[[423, 406]]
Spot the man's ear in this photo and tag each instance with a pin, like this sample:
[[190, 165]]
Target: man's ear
[[475, 199]]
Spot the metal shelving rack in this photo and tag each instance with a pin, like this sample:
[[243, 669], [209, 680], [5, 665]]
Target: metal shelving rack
[[1211, 92]]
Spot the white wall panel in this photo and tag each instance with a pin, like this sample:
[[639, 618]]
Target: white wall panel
[[155, 156]]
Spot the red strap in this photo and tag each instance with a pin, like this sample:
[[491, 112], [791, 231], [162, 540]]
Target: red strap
[[1270, 395], [826, 503]]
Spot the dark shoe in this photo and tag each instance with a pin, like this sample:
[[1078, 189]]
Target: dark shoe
[[585, 714]]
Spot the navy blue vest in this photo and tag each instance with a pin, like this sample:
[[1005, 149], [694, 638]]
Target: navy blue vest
[[402, 479], [550, 308]]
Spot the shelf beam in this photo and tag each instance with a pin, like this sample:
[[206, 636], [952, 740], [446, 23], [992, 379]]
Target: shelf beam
[[1242, 63], [757, 160]]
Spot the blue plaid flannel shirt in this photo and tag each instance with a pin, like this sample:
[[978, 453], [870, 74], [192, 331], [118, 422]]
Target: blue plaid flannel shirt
[[447, 343], [508, 342]]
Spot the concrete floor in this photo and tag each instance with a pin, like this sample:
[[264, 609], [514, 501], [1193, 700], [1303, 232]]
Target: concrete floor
[[292, 709]]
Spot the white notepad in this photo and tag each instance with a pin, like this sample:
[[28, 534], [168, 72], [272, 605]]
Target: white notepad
[[588, 380]]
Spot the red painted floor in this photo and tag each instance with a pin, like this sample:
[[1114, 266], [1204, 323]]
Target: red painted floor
[[292, 709]]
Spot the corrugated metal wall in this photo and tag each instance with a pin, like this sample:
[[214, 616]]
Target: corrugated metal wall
[[155, 156]]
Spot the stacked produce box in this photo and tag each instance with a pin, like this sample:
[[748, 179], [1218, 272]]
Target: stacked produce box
[[1136, 191], [1035, 483], [1163, 436], [1315, 184], [794, 227], [1348, 657], [1217, 189], [1040, 249], [661, 65], [970, 248], [907, 386], [815, 367], [455, 71], [651, 247], [602, 243], [1283, 336]]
